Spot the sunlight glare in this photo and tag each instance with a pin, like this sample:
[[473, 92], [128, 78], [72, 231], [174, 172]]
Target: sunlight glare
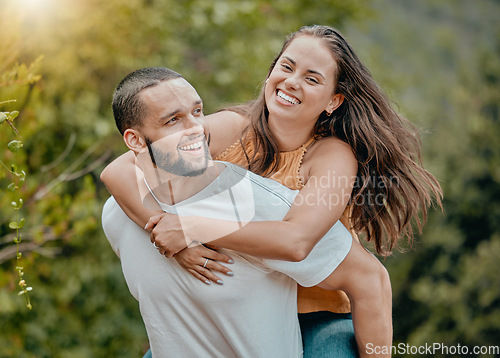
[[32, 4]]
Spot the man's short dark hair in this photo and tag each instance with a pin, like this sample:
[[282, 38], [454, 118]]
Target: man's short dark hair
[[128, 109]]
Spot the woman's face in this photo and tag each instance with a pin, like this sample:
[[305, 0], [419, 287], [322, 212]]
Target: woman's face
[[301, 85]]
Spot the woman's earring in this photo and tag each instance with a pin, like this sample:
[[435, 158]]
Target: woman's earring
[[328, 113]]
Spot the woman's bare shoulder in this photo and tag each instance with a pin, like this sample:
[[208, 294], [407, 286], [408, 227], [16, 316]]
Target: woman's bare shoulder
[[225, 128], [332, 147], [329, 152]]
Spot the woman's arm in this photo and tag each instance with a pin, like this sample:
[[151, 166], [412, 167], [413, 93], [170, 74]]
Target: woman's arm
[[124, 181], [225, 128], [330, 179]]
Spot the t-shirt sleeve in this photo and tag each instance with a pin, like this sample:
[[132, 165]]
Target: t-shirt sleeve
[[325, 257], [114, 223]]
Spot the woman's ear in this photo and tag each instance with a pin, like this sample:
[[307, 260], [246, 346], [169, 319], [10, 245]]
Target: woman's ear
[[134, 141], [336, 101]]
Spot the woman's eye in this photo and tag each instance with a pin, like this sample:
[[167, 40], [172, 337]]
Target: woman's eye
[[286, 67], [312, 79]]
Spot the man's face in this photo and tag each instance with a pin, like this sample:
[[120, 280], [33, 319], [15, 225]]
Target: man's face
[[173, 128]]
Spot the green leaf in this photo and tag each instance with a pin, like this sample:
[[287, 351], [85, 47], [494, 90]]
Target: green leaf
[[15, 145], [17, 225], [13, 115], [3, 117], [17, 204]]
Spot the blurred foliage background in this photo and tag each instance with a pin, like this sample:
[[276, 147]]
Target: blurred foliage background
[[438, 60]]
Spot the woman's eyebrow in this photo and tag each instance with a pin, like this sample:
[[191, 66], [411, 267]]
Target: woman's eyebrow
[[289, 59], [310, 71]]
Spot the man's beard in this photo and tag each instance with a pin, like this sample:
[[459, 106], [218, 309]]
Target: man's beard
[[179, 167]]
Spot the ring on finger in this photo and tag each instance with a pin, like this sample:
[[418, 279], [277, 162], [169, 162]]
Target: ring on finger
[[154, 244], [205, 264]]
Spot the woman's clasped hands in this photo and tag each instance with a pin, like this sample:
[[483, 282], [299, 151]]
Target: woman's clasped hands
[[171, 235]]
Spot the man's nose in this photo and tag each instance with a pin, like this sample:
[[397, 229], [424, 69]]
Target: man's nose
[[194, 125]]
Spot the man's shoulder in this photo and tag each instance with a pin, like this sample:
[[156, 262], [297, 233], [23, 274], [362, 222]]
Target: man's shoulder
[[114, 219], [108, 209]]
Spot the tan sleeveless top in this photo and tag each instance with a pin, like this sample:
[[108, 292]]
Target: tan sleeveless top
[[309, 299]]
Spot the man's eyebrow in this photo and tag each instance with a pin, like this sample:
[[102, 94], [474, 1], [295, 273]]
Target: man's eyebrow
[[167, 116], [173, 113], [310, 71]]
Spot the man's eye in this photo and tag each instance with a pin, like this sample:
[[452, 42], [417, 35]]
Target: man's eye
[[198, 111], [172, 120]]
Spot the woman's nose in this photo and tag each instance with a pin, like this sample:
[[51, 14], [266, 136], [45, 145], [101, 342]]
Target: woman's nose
[[292, 82]]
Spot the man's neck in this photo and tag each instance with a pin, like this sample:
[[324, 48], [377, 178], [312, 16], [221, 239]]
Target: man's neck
[[172, 189]]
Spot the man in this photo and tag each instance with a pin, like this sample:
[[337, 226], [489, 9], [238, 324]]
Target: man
[[254, 314]]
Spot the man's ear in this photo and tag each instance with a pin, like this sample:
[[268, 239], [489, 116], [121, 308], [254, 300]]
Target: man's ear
[[336, 101], [134, 140]]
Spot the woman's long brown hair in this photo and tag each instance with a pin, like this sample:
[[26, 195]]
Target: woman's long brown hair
[[392, 187]]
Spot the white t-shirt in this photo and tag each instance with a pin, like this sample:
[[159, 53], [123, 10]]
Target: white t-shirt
[[254, 314]]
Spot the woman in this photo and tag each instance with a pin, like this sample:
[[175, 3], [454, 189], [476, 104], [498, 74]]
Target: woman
[[320, 115]]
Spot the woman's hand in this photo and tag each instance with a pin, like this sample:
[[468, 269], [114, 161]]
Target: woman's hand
[[172, 233], [201, 260], [167, 234]]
